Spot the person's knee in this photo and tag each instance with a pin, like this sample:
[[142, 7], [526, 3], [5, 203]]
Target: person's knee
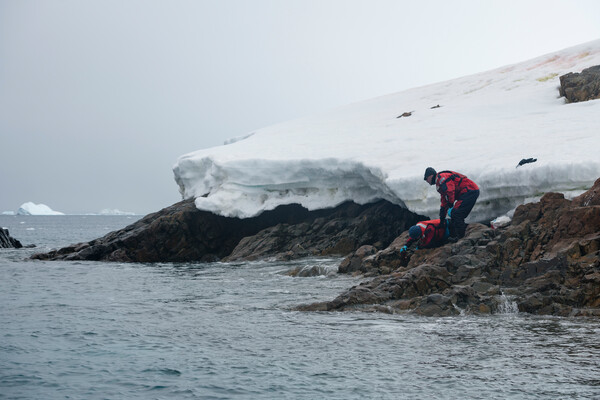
[[459, 213]]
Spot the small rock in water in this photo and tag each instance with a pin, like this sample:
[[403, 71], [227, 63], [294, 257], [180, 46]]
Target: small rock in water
[[306, 271]]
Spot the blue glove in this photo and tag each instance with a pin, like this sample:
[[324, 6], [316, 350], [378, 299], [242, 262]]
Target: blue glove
[[404, 248]]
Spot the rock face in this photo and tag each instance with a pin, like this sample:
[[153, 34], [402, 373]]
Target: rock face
[[8, 242], [340, 232], [576, 87], [182, 233], [546, 262]]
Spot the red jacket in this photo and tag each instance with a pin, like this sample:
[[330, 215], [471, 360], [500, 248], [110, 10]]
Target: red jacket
[[451, 185], [432, 234]]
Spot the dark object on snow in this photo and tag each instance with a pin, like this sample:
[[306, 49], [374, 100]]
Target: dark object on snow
[[406, 114], [438, 106], [576, 87], [8, 242], [526, 161]]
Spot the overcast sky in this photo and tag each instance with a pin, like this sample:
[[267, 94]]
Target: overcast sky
[[99, 98]]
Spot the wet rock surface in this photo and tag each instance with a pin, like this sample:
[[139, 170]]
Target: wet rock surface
[[584, 86], [182, 233], [547, 261], [7, 241]]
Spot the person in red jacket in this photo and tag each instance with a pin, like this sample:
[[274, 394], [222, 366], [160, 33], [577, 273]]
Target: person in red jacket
[[459, 193], [427, 234]]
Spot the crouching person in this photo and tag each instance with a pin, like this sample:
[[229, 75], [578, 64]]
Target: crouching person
[[424, 235]]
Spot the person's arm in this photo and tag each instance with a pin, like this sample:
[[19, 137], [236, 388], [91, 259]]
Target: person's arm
[[409, 243]]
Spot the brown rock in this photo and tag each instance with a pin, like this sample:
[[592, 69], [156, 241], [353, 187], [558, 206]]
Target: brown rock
[[590, 197], [576, 87]]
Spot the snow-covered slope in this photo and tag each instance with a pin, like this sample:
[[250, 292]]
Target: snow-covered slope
[[485, 125]]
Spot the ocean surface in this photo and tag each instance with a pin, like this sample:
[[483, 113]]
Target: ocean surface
[[96, 330]]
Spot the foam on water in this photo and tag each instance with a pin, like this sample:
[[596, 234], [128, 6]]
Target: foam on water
[[507, 305]]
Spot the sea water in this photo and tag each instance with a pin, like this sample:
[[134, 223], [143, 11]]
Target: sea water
[[98, 330]]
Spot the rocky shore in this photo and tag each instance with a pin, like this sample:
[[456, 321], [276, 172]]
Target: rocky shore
[[547, 261], [182, 233]]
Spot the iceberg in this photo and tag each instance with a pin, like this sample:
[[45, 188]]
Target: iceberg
[[111, 211], [30, 208], [480, 125]]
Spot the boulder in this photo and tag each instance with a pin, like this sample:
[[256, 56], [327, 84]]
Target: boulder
[[584, 86]]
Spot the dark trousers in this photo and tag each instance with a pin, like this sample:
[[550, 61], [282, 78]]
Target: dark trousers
[[462, 208]]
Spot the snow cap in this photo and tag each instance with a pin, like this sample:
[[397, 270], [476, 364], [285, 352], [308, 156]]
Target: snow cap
[[428, 172], [414, 232]]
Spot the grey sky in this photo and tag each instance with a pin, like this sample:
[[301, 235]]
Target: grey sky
[[98, 98]]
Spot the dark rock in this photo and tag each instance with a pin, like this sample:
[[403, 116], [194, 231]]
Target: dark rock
[[436, 305], [584, 86], [182, 233], [589, 198], [482, 287], [7, 241], [539, 267], [342, 231], [353, 262]]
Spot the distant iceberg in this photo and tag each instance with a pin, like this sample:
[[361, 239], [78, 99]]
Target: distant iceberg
[[109, 211], [30, 208], [479, 125]]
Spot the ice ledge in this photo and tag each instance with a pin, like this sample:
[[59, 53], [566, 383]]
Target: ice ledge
[[245, 188]]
